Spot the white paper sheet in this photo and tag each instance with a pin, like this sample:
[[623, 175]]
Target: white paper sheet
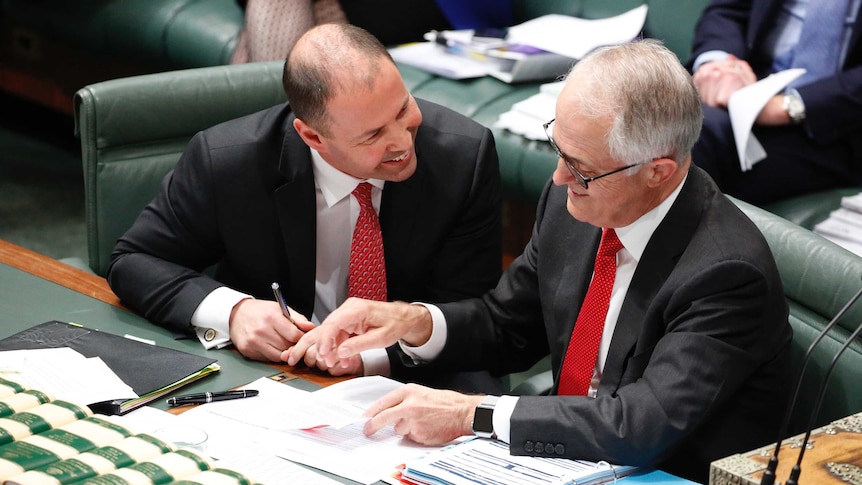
[[231, 447], [744, 106], [343, 450], [64, 373], [573, 37]]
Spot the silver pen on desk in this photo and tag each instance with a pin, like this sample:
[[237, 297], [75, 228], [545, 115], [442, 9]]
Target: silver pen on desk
[[279, 297]]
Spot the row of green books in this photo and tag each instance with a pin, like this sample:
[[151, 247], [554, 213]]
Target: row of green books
[[47, 441]]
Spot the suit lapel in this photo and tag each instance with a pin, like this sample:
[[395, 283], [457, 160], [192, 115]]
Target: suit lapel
[[295, 206], [404, 206], [665, 247]]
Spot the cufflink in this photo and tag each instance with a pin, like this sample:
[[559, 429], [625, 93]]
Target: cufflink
[[210, 334]]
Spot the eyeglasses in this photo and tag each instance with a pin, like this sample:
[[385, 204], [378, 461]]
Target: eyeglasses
[[583, 181]]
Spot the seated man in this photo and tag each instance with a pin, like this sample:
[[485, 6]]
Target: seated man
[[666, 342], [809, 130], [267, 198]]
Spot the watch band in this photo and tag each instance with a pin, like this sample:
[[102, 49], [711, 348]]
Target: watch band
[[483, 418]]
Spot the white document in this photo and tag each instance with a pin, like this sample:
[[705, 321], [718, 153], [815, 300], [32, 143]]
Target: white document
[[488, 462], [230, 446], [573, 37], [291, 424], [64, 373], [744, 106]]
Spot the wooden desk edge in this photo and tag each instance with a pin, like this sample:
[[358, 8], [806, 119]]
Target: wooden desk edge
[[97, 287], [57, 272]]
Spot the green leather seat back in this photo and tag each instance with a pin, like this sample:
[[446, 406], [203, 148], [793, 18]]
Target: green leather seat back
[[134, 129], [819, 277]]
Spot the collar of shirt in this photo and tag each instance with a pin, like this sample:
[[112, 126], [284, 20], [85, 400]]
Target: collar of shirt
[[335, 184], [636, 235]]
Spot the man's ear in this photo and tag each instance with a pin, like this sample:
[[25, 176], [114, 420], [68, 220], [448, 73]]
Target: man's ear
[[309, 135], [661, 170]]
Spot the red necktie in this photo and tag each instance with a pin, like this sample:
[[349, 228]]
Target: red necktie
[[367, 273], [580, 360]]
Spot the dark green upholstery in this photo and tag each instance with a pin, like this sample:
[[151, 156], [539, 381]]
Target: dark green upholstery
[[133, 131], [819, 277], [154, 34]]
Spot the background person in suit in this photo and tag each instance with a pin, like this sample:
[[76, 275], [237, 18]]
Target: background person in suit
[[810, 132], [267, 198], [695, 338]]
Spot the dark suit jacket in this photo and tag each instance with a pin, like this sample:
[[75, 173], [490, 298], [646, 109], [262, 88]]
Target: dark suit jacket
[[696, 366], [833, 105], [242, 198], [825, 152]]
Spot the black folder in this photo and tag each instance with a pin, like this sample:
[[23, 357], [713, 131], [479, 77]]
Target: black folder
[[151, 371]]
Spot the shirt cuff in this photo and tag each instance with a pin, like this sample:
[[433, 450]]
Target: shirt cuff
[[708, 56], [375, 362], [502, 417], [211, 319], [432, 348]]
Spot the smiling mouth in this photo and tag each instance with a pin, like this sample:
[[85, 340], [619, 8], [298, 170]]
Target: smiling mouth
[[399, 158]]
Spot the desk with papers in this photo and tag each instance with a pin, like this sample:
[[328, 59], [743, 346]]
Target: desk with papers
[[252, 435]]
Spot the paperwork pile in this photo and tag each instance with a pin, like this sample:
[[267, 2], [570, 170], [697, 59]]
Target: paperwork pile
[[844, 225], [539, 49]]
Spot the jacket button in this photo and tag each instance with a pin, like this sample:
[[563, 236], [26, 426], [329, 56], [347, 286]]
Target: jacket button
[[528, 446], [540, 447], [560, 449], [549, 448]]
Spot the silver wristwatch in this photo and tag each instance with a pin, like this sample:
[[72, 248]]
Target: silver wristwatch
[[483, 418], [794, 107]]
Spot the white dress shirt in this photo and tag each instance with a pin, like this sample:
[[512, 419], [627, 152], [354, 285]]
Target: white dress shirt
[[337, 213], [634, 238]]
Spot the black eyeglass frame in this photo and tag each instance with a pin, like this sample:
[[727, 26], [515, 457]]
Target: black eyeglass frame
[[583, 181]]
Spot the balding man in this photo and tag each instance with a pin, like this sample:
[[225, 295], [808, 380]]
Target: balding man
[[269, 198]]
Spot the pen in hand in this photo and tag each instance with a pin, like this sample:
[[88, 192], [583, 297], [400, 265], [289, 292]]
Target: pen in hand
[[206, 397], [279, 297]]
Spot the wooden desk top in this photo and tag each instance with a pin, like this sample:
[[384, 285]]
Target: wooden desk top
[[97, 287]]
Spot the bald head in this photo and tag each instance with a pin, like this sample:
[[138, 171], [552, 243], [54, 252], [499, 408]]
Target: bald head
[[327, 60]]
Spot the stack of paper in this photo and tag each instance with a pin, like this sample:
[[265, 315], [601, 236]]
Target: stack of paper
[[844, 225], [488, 462], [527, 117], [539, 49]]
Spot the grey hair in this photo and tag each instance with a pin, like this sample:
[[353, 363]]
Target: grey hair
[[650, 96]]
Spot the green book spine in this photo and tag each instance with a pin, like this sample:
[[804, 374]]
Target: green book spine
[[160, 470], [105, 459], [9, 387], [40, 418], [216, 476], [58, 444], [22, 401]]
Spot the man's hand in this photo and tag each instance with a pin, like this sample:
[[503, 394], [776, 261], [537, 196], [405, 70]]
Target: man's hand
[[717, 80], [424, 415], [349, 366], [260, 331], [360, 325]]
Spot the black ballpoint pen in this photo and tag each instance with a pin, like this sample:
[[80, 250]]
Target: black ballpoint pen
[[206, 397], [279, 297]]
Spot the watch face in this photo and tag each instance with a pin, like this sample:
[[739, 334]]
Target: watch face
[[483, 420]]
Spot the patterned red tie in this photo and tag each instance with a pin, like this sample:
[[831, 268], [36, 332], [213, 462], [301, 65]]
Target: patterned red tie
[[580, 360], [367, 273]]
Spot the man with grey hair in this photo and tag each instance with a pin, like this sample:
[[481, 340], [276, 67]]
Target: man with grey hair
[[275, 197], [666, 342]]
